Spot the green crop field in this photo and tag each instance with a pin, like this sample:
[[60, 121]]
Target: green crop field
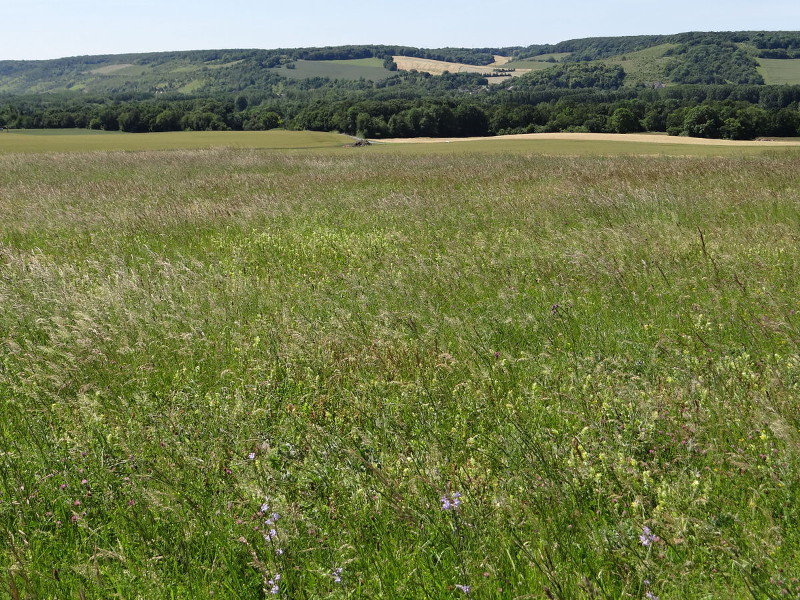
[[368, 68], [402, 372], [780, 71]]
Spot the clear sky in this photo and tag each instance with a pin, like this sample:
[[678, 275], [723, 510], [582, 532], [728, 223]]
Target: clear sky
[[39, 29]]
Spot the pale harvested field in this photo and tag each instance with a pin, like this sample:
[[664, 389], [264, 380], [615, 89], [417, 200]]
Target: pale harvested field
[[438, 67], [600, 137]]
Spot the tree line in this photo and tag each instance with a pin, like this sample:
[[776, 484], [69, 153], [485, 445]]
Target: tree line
[[420, 105]]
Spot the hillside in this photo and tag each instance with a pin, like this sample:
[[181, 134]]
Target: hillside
[[688, 58], [735, 85]]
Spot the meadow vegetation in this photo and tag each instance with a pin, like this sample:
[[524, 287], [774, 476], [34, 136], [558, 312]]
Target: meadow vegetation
[[776, 71], [367, 373]]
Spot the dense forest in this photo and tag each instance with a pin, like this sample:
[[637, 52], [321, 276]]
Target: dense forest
[[712, 88]]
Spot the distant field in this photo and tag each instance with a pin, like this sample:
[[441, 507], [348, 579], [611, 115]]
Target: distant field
[[110, 68], [554, 55], [82, 140], [438, 67], [645, 66], [368, 68], [357, 62], [530, 64], [569, 144], [777, 71]]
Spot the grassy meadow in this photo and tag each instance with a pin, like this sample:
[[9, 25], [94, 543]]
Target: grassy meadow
[[83, 140], [780, 71], [369, 68], [395, 372]]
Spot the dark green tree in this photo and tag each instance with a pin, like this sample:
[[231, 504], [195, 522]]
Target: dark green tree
[[624, 121]]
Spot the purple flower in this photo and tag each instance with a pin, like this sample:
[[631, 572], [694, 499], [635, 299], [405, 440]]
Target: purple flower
[[647, 536], [452, 501], [464, 588], [273, 583], [650, 595], [337, 575], [252, 456]]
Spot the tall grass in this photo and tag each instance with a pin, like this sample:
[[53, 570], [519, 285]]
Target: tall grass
[[600, 355]]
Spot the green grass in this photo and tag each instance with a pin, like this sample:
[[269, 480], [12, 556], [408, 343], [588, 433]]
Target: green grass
[[538, 63], [599, 353], [554, 55], [644, 66], [778, 72], [368, 68], [81, 140], [534, 65], [358, 62]]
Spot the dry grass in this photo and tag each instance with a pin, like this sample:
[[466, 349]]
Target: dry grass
[[603, 137], [438, 67]]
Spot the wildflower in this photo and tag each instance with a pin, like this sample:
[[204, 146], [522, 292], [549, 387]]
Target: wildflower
[[337, 575], [650, 595], [647, 536], [264, 507], [464, 588], [252, 456], [452, 501], [279, 551], [273, 583]]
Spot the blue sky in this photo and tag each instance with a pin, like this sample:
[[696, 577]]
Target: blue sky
[[39, 29]]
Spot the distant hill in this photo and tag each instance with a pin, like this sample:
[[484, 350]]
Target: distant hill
[[740, 58]]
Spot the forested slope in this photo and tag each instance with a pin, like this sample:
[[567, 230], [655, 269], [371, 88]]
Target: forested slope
[[706, 84]]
